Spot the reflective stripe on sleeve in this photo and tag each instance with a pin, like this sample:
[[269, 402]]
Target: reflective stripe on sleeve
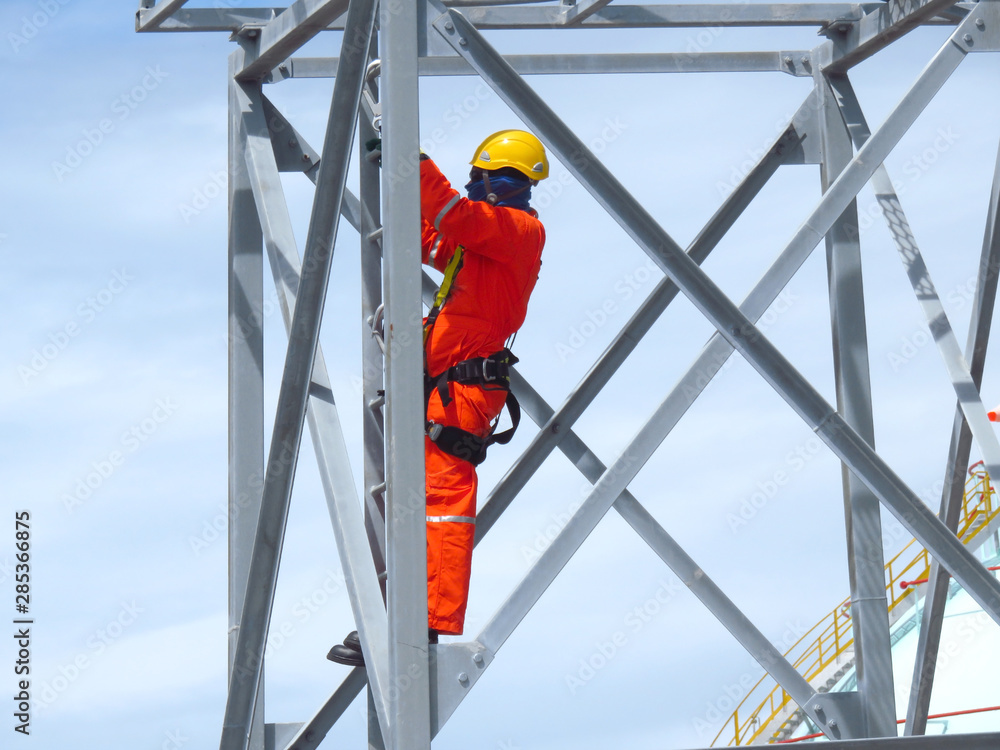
[[447, 207], [434, 250], [451, 519]]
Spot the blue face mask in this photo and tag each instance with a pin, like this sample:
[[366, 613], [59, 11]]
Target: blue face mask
[[501, 186]]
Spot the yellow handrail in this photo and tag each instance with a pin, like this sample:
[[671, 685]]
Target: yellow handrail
[[812, 657]]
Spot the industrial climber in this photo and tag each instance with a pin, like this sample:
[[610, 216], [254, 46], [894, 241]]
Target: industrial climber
[[489, 247]]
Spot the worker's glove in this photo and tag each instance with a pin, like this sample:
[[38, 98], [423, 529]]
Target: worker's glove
[[374, 149]]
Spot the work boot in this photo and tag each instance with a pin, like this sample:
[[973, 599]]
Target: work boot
[[352, 640], [349, 652]]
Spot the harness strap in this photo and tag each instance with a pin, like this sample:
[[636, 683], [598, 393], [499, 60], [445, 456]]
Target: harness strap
[[492, 371], [487, 371], [468, 446], [450, 271]]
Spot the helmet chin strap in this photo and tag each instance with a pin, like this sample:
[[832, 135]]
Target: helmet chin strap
[[492, 197]]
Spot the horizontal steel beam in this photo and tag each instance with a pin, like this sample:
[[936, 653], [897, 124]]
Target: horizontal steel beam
[[582, 11], [792, 62], [293, 27], [671, 15], [615, 16], [149, 18], [230, 20], [879, 29], [550, 17]]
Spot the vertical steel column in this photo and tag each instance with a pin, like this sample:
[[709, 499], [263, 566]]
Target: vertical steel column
[[936, 595], [293, 395], [865, 558], [969, 420], [246, 375], [406, 536], [372, 380]]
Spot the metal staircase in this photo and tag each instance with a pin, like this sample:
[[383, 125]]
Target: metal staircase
[[826, 651]]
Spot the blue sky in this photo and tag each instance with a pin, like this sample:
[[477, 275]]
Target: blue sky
[[113, 235]]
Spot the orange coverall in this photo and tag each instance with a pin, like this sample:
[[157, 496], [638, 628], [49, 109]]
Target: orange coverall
[[487, 304]]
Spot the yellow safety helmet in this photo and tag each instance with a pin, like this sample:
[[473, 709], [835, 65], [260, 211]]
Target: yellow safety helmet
[[513, 148]]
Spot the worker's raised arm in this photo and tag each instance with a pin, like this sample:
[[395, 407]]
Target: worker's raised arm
[[435, 249]]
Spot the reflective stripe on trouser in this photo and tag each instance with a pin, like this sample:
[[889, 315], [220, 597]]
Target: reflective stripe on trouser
[[451, 506]]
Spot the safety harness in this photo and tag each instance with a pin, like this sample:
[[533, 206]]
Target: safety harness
[[492, 373]]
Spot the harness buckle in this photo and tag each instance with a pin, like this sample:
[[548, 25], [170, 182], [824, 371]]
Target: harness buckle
[[434, 431], [486, 375]]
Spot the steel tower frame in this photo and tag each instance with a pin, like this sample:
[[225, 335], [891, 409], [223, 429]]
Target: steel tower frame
[[414, 687]]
